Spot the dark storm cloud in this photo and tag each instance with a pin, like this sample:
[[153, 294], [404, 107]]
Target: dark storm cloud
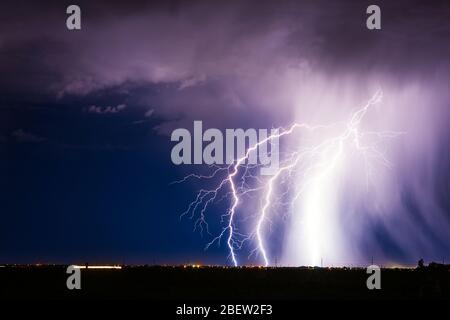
[[237, 50]]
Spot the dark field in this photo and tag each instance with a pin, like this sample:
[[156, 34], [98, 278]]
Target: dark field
[[216, 283]]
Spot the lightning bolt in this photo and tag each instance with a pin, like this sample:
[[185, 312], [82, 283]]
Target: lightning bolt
[[311, 163]]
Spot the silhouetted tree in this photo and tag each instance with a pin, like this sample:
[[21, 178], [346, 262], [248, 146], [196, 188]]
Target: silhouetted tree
[[420, 264]]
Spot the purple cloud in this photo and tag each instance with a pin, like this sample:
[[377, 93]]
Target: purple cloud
[[23, 136], [106, 110]]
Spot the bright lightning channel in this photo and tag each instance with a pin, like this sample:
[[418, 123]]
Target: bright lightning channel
[[314, 163]]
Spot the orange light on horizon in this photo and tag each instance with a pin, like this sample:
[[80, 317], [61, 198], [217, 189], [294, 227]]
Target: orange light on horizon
[[192, 266]]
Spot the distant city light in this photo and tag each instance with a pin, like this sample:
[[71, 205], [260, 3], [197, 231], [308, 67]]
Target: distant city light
[[192, 266], [97, 267]]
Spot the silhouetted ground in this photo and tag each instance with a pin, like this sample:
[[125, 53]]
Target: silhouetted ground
[[216, 283]]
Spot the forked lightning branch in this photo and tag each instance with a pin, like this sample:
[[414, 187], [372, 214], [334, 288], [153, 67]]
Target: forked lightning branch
[[220, 150]]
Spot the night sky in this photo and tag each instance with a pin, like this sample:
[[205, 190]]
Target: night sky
[[86, 116]]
